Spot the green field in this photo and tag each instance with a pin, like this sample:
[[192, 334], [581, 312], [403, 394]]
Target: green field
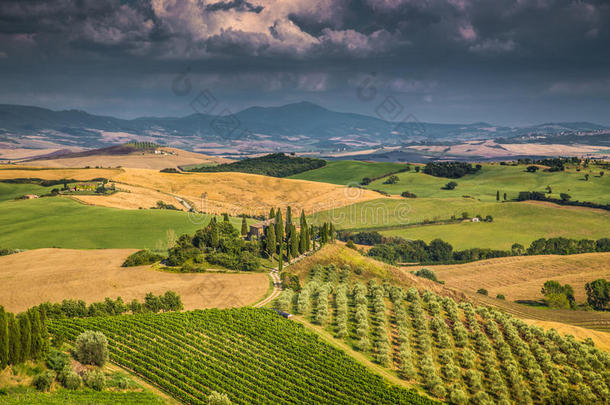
[[513, 222], [348, 171], [506, 179], [62, 222], [252, 355], [10, 191], [67, 397]]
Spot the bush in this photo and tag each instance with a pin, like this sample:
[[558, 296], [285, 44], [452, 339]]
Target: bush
[[216, 398], [429, 274], [43, 381], [408, 194], [482, 291], [57, 360], [141, 258], [500, 297], [95, 380], [92, 348], [71, 380]]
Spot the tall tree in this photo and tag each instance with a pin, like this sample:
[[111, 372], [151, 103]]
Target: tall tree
[[331, 232], [294, 240], [303, 240], [270, 242], [214, 236], [324, 234], [279, 226], [4, 345], [312, 232], [25, 327], [244, 226], [271, 213], [498, 195], [37, 343], [14, 340], [288, 219], [225, 217], [280, 265], [504, 196]]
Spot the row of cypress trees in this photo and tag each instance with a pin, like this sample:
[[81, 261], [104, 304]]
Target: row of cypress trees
[[23, 337]]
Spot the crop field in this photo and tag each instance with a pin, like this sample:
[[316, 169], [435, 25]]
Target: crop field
[[522, 277], [346, 172], [68, 397], [513, 222], [130, 197], [506, 179], [24, 172], [252, 355], [239, 193], [457, 353], [36, 276], [62, 222]]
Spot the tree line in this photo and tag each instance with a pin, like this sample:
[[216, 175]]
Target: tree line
[[557, 295], [396, 249], [565, 199], [23, 336], [274, 164], [451, 170]]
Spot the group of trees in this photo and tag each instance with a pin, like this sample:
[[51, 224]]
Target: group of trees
[[562, 296], [170, 301], [288, 241], [451, 170], [221, 244], [598, 294], [565, 199], [566, 246], [275, 165], [23, 337]]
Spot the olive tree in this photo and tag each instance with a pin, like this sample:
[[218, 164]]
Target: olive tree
[[92, 348]]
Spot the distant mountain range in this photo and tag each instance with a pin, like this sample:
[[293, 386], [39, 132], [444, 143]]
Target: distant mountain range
[[294, 127]]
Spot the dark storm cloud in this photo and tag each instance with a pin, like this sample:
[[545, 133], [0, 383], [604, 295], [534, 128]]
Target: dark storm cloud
[[426, 50]]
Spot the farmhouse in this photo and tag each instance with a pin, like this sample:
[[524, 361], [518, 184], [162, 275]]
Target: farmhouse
[[257, 230], [29, 196]]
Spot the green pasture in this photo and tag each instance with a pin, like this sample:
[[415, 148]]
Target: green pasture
[[506, 179], [10, 191], [513, 222], [348, 171], [63, 222]]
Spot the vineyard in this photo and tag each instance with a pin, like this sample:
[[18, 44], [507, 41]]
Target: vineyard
[[456, 352], [252, 355], [68, 397]]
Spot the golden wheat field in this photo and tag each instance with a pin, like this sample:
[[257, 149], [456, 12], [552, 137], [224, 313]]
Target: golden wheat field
[[601, 339], [23, 172], [130, 197], [144, 160], [522, 277], [238, 193], [35, 276]]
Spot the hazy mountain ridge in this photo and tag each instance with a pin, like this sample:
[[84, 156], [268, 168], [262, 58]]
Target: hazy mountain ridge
[[298, 126]]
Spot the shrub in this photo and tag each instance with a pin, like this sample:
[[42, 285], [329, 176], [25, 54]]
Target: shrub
[[216, 398], [482, 291], [500, 297], [429, 274], [57, 360], [71, 380], [141, 258], [95, 380], [43, 381], [92, 348], [408, 194]]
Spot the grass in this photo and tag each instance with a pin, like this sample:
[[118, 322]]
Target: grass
[[513, 222], [506, 179], [348, 171], [10, 191], [62, 222]]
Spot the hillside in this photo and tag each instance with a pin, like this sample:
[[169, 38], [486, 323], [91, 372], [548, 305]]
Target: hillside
[[126, 156], [253, 355], [40, 275], [522, 277], [348, 171], [275, 165]]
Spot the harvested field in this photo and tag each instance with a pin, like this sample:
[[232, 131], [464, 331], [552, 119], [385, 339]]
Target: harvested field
[[601, 339], [22, 172], [238, 193], [36, 276], [144, 160], [522, 277], [130, 197]]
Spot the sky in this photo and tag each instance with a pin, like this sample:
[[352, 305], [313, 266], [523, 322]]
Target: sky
[[505, 62]]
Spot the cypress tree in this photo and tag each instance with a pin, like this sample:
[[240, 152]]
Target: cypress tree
[[324, 234], [280, 265], [244, 226], [303, 240], [312, 232], [270, 243], [36, 340], [279, 227], [45, 333], [25, 327], [271, 213], [214, 237], [14, 340], [4, 345], [331, 232], [294, 239], [225, 217], [288, 218], [498, 195], [504, 196]]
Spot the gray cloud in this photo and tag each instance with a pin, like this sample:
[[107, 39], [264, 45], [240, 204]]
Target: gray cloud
[[519, 48]]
